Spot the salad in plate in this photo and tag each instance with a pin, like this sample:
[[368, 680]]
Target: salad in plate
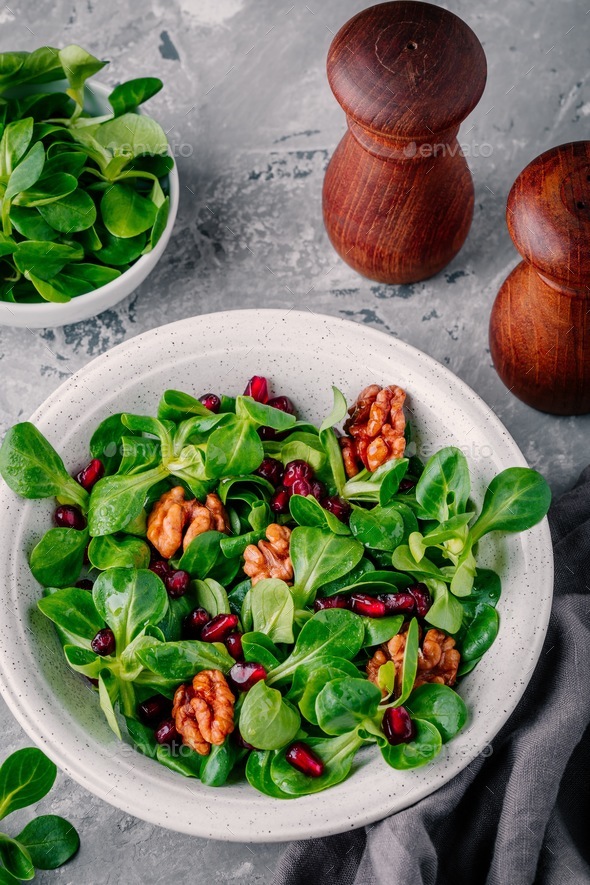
[[255, 596]]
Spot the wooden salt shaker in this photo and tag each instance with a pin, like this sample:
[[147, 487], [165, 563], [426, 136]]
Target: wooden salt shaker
[[398, 194], [540, 324]]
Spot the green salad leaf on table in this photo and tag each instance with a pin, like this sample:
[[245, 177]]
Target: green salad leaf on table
[[47, 841], [82, 197], [255, 596]]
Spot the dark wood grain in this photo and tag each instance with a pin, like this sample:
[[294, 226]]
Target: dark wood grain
[[396, 221], [398, 195], [540, 323]]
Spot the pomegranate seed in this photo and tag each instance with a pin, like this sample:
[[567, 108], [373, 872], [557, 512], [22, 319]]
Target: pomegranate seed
[[89, 476], [92, 681], [194, 622], [318, 490], [160, 568], [406, 484], [279, 503], [283, 404], [369, 606], [302, 757], [233, 643], [211, 401], [84, 584], [177, 583], [154, 709], [337, 601], [340, 508], [104, 642], [246, 674], [423, 598], [166, 732], [218, 628], [68, 517], [397, 726], [267, 433], [271, 470], [239, 740], [297, 470], [257, 388], [398, 603], [301, 487]]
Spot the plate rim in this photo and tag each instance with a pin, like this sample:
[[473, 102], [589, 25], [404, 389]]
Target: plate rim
[[115, 795]]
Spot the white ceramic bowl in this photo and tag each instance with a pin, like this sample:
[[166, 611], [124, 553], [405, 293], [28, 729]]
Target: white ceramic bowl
[[40, 316], [303, 354]]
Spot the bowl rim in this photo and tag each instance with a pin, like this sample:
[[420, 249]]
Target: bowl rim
[[337, 821], [56, 313]]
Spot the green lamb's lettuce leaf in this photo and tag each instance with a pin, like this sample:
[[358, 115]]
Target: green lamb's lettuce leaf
[[127, 97], [337, 754], [17, 861], [128, 600], [25, 777], [31, 467], [50, 841], [319, 557], [267, 720]]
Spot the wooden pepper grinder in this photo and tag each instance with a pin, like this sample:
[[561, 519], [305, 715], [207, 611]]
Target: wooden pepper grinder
[[398, 194], [540, 324]]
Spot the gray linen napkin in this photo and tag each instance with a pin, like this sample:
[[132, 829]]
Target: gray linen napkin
[[520, 814]]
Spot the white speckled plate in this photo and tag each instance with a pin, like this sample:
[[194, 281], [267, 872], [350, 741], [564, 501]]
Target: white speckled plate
[[303, 354]]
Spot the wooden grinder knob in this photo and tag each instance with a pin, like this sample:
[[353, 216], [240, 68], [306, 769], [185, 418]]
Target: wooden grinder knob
[[540, 324], [398, 195]]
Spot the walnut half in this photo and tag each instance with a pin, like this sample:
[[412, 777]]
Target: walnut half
[[207, 517], [438, 659], [270, 559], [204, 711], [376, 429], [172, 514]]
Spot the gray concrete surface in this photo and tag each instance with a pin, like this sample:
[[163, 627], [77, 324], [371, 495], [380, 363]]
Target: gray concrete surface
[[253, 123]]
